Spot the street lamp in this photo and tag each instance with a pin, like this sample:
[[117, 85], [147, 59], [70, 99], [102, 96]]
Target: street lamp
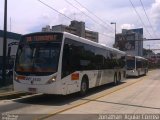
[[115, 28]]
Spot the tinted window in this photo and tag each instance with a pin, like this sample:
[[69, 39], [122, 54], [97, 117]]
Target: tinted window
[[139, 64], [77, 56], [38, 58], [80, 56], [130, 64]]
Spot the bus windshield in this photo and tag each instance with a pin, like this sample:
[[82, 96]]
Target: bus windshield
[[130, 64], [38, 58]]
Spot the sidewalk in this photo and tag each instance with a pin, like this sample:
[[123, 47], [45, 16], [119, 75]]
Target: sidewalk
[[7, 92], [8, 88]]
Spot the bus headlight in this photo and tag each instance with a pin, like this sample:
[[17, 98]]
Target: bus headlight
[[53, 79], [18, 78]]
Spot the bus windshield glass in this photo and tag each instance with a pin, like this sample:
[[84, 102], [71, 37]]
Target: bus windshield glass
[[38, 58], [130, 64]]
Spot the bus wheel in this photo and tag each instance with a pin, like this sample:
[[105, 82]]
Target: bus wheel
[[84, 87], [115, 80]]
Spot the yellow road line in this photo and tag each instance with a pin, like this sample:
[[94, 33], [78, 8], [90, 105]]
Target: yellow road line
[[74, 106]]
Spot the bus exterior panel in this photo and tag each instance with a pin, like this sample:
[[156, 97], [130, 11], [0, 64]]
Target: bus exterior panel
[[58, 62], [132, 73], [136, 66]]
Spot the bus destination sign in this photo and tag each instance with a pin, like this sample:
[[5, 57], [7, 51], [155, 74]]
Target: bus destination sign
[[41, 38]]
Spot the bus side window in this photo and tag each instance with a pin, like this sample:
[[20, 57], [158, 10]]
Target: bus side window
[[66, 65], [107, 61]]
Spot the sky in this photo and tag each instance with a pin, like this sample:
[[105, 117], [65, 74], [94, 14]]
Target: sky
[[26, 16]]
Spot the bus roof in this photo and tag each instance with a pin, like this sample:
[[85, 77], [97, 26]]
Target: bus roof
[[83, 40], [139, 57]]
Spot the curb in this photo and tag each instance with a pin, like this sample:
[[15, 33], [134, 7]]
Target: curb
[[11, 95]]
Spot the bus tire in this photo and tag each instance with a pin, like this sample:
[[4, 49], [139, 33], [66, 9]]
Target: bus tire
[[84, 87], [115, 79]]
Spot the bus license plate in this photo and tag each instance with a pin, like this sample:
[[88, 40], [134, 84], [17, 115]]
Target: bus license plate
[[32, 90]]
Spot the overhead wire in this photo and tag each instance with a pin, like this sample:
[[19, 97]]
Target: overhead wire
[[140, 18], [54, 9], [86, 14], [147, 17], [66, 15], [94, 15]]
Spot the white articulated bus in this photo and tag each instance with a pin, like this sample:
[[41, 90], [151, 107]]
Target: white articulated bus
[[136, 66], [62, 63]]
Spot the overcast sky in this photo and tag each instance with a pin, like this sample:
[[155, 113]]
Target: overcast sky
[[31, 15]]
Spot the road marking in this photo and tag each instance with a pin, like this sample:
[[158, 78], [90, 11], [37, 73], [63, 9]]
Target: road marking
[[12, 95], [8, 93], [115, 89]]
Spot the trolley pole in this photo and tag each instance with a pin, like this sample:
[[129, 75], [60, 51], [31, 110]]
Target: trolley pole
[[4, 45]]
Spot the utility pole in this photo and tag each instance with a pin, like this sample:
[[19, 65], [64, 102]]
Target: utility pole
[[4, 44], [114, 29], [10, 24]]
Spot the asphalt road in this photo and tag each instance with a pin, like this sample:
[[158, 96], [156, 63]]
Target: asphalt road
[[133, 96]]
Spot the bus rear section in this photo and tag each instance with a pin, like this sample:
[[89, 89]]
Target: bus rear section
[[136, 66]]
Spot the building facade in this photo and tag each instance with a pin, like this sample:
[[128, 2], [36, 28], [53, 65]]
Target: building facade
[[76, 28], [12, 40], [130, 41]]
